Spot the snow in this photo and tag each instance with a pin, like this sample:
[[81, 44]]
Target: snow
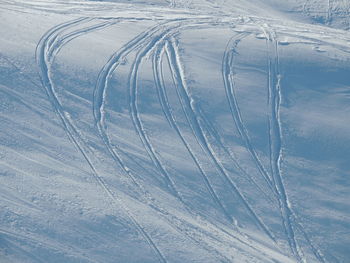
[[174, 131]]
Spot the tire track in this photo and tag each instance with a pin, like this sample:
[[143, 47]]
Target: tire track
[[44, 62]]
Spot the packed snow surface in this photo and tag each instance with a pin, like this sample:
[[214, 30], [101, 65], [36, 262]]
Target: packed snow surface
[[174, 131]]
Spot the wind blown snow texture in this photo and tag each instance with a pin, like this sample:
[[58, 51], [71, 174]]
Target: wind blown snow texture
[[174, 131]]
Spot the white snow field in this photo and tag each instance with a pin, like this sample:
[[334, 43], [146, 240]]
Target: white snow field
[[174, 131]]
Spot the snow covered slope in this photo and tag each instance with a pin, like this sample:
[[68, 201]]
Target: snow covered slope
[[174, 131]]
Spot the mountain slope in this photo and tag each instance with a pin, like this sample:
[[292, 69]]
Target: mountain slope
[[174, 131]]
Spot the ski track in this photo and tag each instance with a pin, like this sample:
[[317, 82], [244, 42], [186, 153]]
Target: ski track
[[161, 40], [211, 131], [142, 133], [101, 91], [275, 138], [99, 115], [133, 109], [229, 84], [99, 105], [184, 92], [44, 62], [60, 42], [275, 142], [167, 111], [169, 116], [274, 97], [99, 100], [73, 128], [162, 96], [135, 115]]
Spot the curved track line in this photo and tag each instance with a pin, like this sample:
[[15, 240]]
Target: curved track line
[[289, 211], [275, 148], [211, 131], [107, 188], [99, 100], [133, 108], [152, 200], [163, 99], [166, 108], [178, 73], [61, 41], [274, 102], [100, 91], [136, 118], [134, 113], [44, 62], [229, 84]]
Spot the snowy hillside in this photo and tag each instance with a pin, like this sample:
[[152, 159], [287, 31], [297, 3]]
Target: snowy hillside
[[174, 131]]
